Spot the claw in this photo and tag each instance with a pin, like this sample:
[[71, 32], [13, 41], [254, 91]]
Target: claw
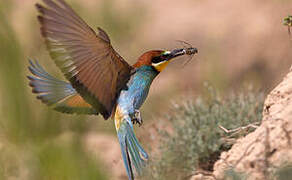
[[137, 119]]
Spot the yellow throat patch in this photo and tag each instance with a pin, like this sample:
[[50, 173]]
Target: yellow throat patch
[[160, 66]]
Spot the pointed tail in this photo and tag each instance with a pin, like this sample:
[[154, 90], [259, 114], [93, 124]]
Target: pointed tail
[[132, 151]]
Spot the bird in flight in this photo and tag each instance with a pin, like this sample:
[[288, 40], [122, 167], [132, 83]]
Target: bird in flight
[[100, 80]]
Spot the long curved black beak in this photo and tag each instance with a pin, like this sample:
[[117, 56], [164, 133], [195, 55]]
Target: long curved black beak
[[183, 51]]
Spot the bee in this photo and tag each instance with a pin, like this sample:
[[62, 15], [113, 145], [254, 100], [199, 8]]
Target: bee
[[189, 50]]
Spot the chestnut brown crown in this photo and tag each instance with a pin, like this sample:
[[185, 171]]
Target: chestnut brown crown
[[146, 58]]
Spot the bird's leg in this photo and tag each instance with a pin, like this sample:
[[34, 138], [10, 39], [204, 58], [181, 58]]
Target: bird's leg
[[137, 118]]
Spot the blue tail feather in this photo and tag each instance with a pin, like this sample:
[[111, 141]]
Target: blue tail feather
[[132, 152], [126, 157]]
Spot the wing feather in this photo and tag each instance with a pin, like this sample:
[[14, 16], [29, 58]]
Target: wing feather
[[87, 59], [57, 94]]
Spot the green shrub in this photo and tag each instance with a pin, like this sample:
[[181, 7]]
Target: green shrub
[[195, 141], [283, 172], [231, 174]]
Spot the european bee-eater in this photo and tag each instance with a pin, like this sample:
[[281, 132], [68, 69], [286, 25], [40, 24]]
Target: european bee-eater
[[101, 81]]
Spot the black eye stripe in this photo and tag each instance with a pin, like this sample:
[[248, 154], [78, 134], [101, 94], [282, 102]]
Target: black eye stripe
[[156, 59]]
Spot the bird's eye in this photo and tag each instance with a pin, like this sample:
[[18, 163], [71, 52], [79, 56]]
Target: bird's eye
[[156, 59], [162, 57]]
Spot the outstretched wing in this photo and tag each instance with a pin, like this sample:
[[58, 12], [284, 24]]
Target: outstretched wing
[[87, 59], [59, 95]]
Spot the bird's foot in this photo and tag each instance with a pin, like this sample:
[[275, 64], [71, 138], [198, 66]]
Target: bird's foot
[[137, 119]]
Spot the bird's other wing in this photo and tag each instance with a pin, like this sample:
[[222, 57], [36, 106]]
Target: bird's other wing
[[87, 59], [57, 94]]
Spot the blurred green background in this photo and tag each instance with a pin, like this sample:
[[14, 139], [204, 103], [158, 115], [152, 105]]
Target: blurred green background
[[239, 44]]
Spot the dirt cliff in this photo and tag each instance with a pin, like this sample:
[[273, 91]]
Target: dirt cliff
[[259, 153]]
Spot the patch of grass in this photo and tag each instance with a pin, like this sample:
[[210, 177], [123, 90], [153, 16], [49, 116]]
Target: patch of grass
[[231, 174], [195, 141], [55, 161], [284, 173]]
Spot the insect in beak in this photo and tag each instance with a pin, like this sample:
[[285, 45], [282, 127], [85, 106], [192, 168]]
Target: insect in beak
[[189, 50]]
